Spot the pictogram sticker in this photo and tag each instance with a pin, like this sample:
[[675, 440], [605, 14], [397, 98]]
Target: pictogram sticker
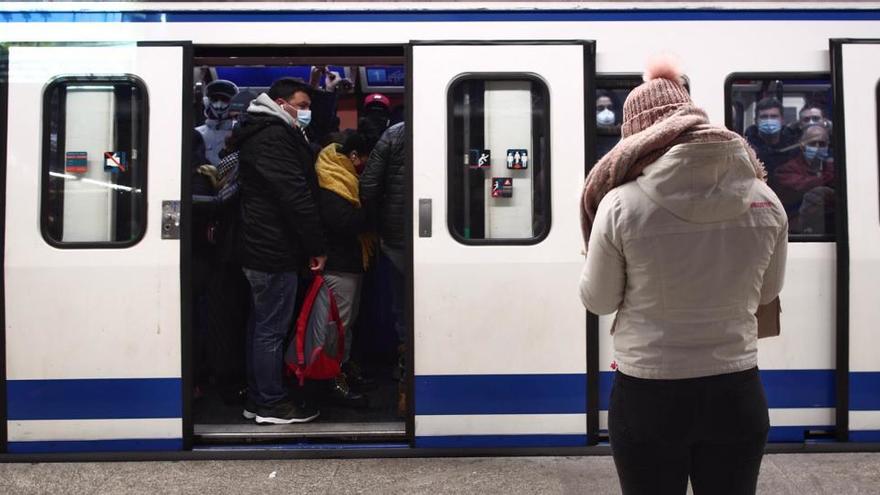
[[76, 162], [517, 159], [479, 158], [502, 187], [114, 161]]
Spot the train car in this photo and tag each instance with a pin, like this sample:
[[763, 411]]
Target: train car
[[99, 351]]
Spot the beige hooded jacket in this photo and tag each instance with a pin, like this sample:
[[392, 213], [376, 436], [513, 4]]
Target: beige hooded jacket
[[685, 254]]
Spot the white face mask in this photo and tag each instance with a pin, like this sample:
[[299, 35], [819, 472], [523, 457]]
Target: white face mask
[[605, 117]]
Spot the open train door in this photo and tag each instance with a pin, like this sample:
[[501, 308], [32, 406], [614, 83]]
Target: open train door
[[92, 247], [856, 73], [497, 135]]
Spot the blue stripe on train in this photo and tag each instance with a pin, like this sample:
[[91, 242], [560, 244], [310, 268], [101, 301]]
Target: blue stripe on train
[[785, 388], [864, 436], [131, 445], [501, 394], [449, 16], [94, 398], [864, 391], [496, 441]]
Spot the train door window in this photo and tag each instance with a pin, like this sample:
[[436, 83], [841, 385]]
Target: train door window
[[498, 159], [94, 162], [611, 92], [786, 119]]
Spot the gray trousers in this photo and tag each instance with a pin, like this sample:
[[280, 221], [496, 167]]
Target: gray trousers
[[346, 288]]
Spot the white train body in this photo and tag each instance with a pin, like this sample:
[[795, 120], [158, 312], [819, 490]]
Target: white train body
[[95, 337]]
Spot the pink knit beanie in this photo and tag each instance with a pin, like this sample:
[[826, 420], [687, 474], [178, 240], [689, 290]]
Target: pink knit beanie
[[658, 97]]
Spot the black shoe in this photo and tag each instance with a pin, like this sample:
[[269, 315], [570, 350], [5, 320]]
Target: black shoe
[[356, 379], [250, 409], [285, 413], [342, 395]]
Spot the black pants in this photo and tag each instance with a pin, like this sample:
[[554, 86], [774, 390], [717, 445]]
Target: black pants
[[711, 429]]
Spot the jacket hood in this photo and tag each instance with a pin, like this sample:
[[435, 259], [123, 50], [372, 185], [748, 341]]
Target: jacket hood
[[702, 182], [263, 105]]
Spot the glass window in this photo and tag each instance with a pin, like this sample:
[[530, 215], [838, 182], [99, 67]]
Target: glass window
[[499, 159], [787, 120], [94, 162], [611, 92]]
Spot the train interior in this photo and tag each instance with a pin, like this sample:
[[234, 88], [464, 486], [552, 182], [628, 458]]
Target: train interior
[[358, 89]]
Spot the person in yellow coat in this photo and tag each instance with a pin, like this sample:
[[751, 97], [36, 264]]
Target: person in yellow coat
[[350, 245]]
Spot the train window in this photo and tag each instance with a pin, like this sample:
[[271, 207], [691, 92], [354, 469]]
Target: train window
[[94, 162], [786, 118], [611, 92], [498, 159]]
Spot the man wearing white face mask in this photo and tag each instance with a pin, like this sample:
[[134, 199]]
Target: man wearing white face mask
[[218, 123], [280, 233]]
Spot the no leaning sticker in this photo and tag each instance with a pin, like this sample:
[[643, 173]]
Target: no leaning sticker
[[114, 161]]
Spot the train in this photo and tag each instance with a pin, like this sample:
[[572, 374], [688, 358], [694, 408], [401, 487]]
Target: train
[[97, 341]]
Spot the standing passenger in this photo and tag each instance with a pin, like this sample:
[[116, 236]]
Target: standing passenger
[[280, 233], [218, 123], [349, 244], [685, 241], [383, 193]]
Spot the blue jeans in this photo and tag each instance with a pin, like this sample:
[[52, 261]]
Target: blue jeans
[[274, 298]]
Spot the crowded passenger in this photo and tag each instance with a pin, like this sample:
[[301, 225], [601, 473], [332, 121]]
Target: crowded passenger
[[350, 244], [607, 122], [774, 142], [811, 169], [281, 233], [218, 122], [376, 118], [383, 193]]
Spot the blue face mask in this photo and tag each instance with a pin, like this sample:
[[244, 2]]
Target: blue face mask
[[303, 118], [769, 126], [813, 152]]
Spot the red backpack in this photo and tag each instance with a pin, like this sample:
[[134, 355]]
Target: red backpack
[[318, 344]]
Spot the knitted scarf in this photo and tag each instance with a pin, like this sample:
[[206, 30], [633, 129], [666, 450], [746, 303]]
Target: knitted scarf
[[337, 174], [626, 161]]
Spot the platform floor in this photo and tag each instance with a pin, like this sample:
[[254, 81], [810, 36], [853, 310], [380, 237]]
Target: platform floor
[[781, 474]]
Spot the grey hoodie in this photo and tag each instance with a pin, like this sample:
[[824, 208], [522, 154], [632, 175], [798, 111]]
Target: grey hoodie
[[685, 254], [263, 105]]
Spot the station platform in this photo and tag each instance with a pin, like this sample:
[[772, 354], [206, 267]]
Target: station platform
[[781, 474]]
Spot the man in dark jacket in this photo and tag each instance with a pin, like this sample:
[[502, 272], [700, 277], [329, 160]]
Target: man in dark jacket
[[383, 193], [774, 142], [280, 233]]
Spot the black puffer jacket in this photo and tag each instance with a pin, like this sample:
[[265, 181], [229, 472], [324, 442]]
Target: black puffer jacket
[[280, 224], [383, 186]]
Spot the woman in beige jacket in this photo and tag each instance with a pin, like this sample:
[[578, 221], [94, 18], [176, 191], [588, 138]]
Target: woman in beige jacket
[[684, 241]]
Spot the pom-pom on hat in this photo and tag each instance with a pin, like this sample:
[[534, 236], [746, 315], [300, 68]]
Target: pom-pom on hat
[[661, 95]]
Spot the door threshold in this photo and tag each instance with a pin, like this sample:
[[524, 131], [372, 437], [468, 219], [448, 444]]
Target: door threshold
[[211, 433]]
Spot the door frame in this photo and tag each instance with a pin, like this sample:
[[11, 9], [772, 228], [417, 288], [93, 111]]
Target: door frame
[[842, 367], [592, 321]]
